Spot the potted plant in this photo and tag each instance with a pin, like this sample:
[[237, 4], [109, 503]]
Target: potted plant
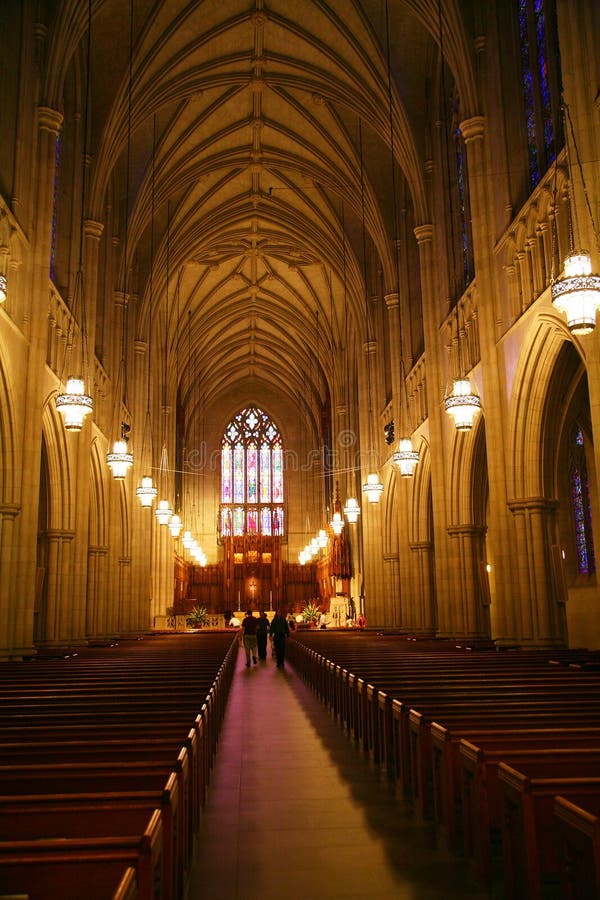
[[311, 614], [197, 617]]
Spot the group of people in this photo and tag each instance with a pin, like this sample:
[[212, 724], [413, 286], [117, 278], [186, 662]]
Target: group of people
[[255, 632]]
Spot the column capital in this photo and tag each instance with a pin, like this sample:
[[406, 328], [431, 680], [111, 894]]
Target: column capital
[[9, 510], [467, 528], [370, 347], [473, 129], [49, 119], [391, 300], [93, 229], [423, 234], [140, 347], [531, 504]]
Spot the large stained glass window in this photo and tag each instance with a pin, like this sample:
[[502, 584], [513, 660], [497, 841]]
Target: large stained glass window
[[581, 507], [251, 476], [540, 80]]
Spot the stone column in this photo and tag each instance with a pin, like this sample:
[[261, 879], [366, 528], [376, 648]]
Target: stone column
[[471, 609], [56, 626], [371, 515], [8, 607], [500, 529], [96, 593], [540, 619], [435, 395], [423, 612], [35, 308]]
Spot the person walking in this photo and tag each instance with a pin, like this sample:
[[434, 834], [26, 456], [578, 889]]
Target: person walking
[[262, 633], [279, 631], [248, 635]]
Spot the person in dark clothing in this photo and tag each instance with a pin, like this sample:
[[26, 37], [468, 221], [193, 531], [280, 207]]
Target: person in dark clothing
[[262, 633], [279, 631], [248, 634]]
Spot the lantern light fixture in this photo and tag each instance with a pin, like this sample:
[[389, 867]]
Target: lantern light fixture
[[352, 510], [120, 460], [146, 492], [405, 458], [2, 288], [163, 512], [175, 525], [74, 404], [373, 488], [577, 294]]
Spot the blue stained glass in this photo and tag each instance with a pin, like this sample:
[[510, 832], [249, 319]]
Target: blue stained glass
[[579, 514], [461, 197], [54, 203], [527, 77], [543, 73]]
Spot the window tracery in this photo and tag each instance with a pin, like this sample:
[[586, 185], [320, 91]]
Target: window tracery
[[252, 493]]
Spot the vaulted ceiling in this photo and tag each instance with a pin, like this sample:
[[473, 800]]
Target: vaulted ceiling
[[250, 142]]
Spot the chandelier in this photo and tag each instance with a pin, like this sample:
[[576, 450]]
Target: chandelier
[[146, 492], [405, 458], [462, 404], [120, 460], [373, 488], [577, 294], [76, 403], [163, 512], [352, 510]]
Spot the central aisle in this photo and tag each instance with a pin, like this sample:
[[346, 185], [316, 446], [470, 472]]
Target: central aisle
[[293, 811]]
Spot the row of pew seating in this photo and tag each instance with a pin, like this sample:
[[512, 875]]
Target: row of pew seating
[[105, 759], [501, 749]]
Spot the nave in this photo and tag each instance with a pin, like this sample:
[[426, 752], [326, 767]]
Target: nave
[[294, 810]]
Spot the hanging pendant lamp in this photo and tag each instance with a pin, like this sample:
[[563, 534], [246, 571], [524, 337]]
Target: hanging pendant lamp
[[405, 458], [75, 403], [146, 492], [352, 510], [577, 293], [120, 460]]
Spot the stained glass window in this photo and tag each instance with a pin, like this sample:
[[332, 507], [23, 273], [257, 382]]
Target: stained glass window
[[251, 475], [581, 506], [540, 83], [54, 204]]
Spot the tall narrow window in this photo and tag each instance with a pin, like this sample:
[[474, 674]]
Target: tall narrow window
[[540, 79], [55, 204], [581, 507], [251, 476]]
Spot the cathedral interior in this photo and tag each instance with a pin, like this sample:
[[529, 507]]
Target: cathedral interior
[[299, 307]]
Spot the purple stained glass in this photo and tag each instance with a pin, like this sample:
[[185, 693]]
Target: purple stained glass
[[252, 521], [277, 474], [265, 520], [238, 521], [226, 474], [54, 204], [540, 27], [527, 82], [238, 473], [226, 522], [460, 169], [251, 472], [265, 474], [278, 520], [579, 515]]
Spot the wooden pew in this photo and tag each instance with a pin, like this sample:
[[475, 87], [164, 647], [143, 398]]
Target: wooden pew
[[127, 887], [110, 777], [579, 831], [481, 800], [47, 869], [530, 840], [91, 815]]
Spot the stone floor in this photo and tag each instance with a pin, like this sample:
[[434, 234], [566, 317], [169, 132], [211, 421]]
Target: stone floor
[[294, 811]]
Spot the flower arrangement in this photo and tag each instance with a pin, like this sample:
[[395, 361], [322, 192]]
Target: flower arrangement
[[311, 613], [197, 617]]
